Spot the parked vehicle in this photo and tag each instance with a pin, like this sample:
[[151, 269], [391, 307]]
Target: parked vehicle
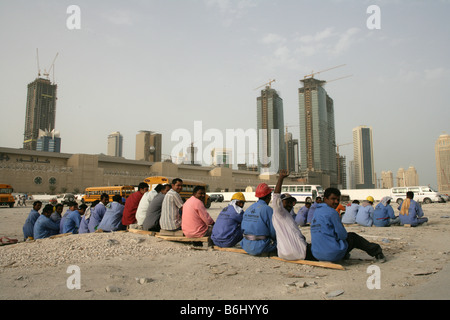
[[6, 198], [303, 193], [216, 197], [423, 194]]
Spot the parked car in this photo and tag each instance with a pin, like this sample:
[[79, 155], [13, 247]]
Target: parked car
[[67, 198], [216, 197], [423, 194]]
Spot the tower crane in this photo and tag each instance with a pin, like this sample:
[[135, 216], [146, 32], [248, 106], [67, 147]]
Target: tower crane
[[51, 67], [37, 59], [269, 84], [341, 145], [340, 78], [314, 73]]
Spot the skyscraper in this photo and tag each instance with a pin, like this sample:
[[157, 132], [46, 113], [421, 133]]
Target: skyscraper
[[387, 179], [115, 144], [41, 111], [149, 146], [291, 153], [270, 123], [407, 178], [49, 141], [363, 157], [442, 149], [317, 133]]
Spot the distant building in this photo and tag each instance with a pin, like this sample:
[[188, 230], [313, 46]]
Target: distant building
[[363, 156], [442, 149], [49, 141], [387, 179], [149, 146], [407, 178], [317, 134], [292, 154], [270, 121], [222, 157], [412, 177], [115, 144], [351, 175], [341, 171], [40, 112]]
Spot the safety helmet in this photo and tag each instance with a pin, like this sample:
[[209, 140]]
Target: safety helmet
[[371, 199], [262, 190], [239, 196]]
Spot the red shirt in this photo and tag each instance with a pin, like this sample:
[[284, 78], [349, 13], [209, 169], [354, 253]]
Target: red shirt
[[131, 205]]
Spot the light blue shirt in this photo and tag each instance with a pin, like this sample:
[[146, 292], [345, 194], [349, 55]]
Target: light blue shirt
[[415, 211], [257, 221], [28, 227], [96, 216], [71, 222], [45, 227], [364, 216], [227, 229], [350, 214], [382, 215], [112, 218], [328, 235], [302, 216]]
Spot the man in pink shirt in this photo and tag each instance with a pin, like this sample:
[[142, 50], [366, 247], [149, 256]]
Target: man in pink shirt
[[196, 221]]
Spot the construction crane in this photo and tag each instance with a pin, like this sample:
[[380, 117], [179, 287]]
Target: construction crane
[[341, 145], [50, 68], [37, 59], [340, 78], [269, 84], [314, 73]]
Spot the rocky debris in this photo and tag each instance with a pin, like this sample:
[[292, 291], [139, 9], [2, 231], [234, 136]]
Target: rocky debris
[[75, 249], [335, 293]]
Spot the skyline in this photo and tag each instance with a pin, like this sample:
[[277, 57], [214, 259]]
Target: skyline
[[131, 63]]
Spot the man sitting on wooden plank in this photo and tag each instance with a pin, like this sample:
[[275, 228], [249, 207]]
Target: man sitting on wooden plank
[[196, 221], [291, 244]]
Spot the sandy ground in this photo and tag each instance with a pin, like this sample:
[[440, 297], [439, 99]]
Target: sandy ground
[[126, 266]]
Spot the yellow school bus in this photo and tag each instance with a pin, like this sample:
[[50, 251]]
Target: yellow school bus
[[94, 193], [186, 192], [6, 197]]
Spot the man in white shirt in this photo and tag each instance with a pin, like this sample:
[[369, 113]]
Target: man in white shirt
[[144, 204], [291, 244]]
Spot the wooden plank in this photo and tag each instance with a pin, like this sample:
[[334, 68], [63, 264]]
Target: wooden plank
[[236, 250], [322, 264], [407, 225], [150, 233], [60, 235], [182, 239]]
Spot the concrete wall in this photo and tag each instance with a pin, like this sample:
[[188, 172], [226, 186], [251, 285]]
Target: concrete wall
[[75, 172]]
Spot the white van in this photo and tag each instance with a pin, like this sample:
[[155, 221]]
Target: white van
[[423, 194]]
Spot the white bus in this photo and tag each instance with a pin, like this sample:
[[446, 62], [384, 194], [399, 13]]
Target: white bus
[[303, 193]]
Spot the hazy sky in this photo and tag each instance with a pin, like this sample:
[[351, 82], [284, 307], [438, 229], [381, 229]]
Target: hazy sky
[[161, 65]]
